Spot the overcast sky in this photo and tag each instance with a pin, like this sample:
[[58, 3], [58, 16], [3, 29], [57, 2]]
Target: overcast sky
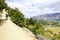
[[35, 7]]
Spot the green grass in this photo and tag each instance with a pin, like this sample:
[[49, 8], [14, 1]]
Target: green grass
[[31, 27]]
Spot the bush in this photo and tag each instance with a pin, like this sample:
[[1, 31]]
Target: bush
[[50, 31], [40, 31], [17, 17]]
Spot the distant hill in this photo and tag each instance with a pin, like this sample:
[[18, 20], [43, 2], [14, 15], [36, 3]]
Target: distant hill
[[54, 16]]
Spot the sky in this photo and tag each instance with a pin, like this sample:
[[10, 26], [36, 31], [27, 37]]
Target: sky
[[35, 7]]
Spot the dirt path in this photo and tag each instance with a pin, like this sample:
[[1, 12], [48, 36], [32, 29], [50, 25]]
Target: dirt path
[[10, 31]]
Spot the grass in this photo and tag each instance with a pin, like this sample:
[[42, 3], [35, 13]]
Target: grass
[[55, 29], [31, 27]]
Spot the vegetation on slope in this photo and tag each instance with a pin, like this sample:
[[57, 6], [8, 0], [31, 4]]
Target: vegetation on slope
[[3, 5], [37, 27]]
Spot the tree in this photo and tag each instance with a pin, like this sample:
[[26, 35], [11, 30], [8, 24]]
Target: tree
[[17, 17], [3, 5], [32, 21]]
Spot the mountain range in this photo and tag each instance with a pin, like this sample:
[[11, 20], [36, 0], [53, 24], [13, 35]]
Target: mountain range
[[54, 16]]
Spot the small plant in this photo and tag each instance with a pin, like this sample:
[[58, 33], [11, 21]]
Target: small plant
[[50, 31]]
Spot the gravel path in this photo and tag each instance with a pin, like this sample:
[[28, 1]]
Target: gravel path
[[10, 31]]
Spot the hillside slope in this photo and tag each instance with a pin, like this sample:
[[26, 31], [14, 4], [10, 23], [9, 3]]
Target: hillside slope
[[10, 31]]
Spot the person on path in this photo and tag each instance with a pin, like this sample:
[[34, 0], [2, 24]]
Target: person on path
[[6, 13]]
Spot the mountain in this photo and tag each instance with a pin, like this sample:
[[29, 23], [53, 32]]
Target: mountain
[[54, 16]]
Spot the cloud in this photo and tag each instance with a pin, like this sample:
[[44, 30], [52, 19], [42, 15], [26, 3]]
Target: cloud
[[35, 7]]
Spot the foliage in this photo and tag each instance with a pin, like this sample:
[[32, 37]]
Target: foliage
[[40, 31], [3, 5], [59, 37], [56, 37], [50, 31], [37, 27], [17, 17], [31, 21]]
